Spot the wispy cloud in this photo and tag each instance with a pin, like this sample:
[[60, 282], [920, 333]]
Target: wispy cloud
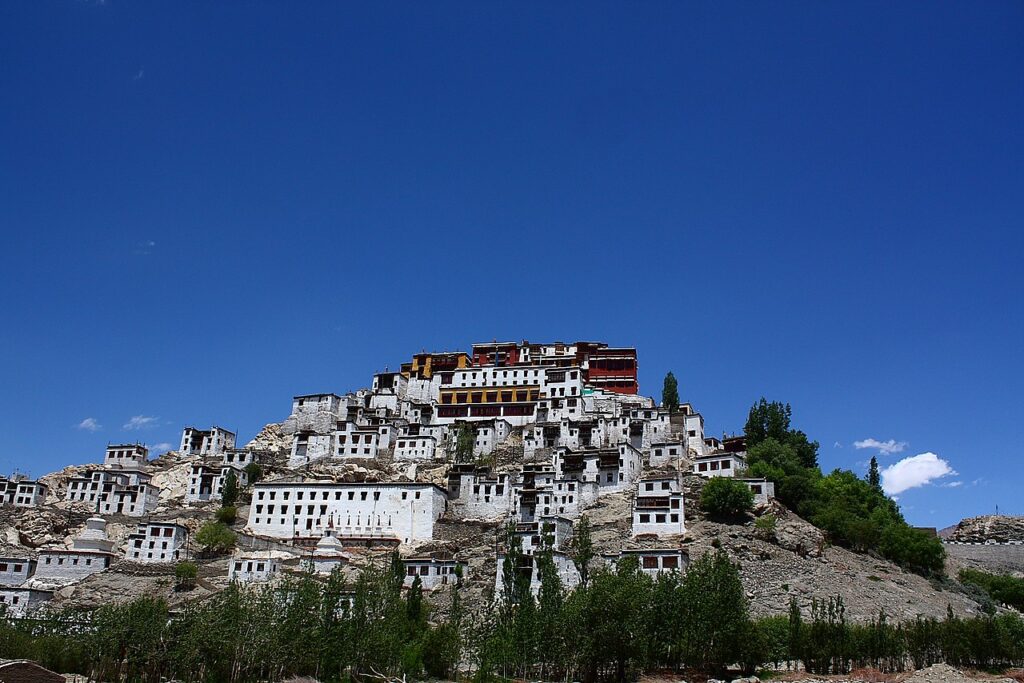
[[144, 248], [837, 445], [883, 447], [915, 471], [138, 76], [141, 422], [161, 447], [89, 424], [953, 484]]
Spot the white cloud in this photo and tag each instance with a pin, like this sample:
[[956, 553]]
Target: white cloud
[[160, 448], [138, 76], [90, 424], [953, 484], [883, 447], [915, 471], [837, 445], [141, 422]]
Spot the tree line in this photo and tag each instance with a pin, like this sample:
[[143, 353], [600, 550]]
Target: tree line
[[618, 623]]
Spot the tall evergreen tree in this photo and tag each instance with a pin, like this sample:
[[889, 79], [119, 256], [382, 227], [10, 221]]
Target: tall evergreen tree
[[582, 548], [229, 492], [670, 393], [874, 478]]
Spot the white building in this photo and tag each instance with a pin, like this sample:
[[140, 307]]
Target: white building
[[531, 534], [361, 442], [654, 561], [253, 567], [719, 464], [132, 455], [488, 435], [612, 468], [212, 441], [90, 552], [206, 481], [564, 565], [133, 500], [762, 489], [433, 572], [658, 507], [20, 602], [693, 426], [420, 447], [317, 413], [666, 453], [15, 570], [478, 494], [21, 492], [402, 511], [157, 542], [116, 491]]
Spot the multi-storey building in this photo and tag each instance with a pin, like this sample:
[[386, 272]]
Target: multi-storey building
[[156, 542], [130, 455], [206, 442], [402, 511], [90, 552], [658, 507], [21, 492]]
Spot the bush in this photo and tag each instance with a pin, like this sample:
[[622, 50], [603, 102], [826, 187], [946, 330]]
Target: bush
[[215, 537], [229, 492], [227, 515], [253, 473], [1002, 588], [726, 498], [185, 574], [765, 526]]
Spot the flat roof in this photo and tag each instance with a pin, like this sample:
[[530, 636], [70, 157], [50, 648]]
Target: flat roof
[[353, 484]]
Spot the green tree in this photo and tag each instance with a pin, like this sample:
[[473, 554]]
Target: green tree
[[582, 549], [465, 437], [716, 619], [215, 537], [726, 498], [874, 478], [772, 421], [1002, 588], [229, 490], [670, 393], [253, 473], [185, 574], [226, 515]]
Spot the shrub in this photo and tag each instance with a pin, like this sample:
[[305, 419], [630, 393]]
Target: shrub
[[726, 498], [765, 526], [227, 515], [185, 574], [1002, 588], [253, 473], [229, 492], [215, 537]]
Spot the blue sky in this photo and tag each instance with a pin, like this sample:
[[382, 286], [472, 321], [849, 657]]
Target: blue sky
[[209, 207]]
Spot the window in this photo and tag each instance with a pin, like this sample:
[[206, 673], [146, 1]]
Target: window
[[670, 562], [645, 519], [650, 562]]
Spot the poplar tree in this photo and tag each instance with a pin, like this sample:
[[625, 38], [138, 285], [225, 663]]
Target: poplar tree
[[670, 393], [874, 478]]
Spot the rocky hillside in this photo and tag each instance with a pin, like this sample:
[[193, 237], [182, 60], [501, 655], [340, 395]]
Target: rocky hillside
[[986, 529]]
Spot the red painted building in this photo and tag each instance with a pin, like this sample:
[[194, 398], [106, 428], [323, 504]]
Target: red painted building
[[604, 367]]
